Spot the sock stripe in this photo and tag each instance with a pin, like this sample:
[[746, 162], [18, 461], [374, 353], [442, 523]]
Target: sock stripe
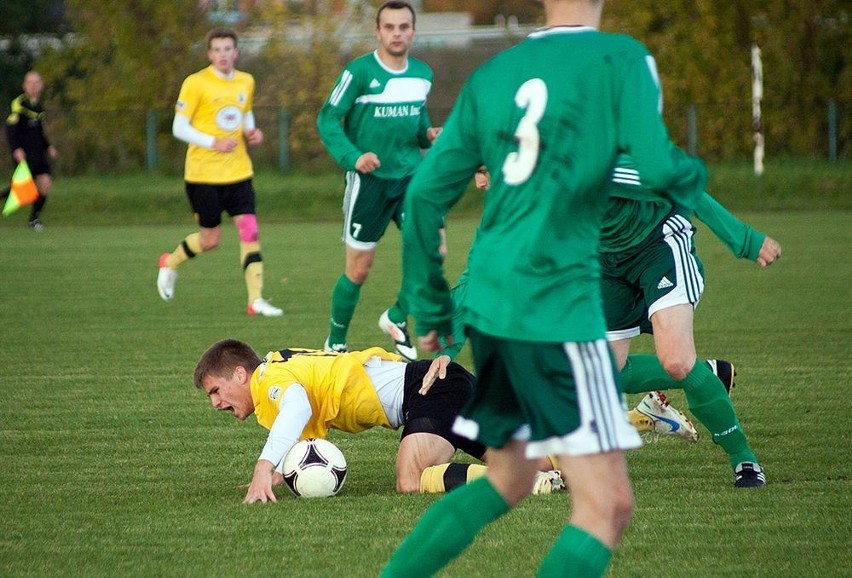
[[251, 258], [189, 252], [455, 475]]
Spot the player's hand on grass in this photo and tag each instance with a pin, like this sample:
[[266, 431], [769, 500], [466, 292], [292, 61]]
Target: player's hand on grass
[[260, 488], [770, 252], [438, 370], [367, 163]]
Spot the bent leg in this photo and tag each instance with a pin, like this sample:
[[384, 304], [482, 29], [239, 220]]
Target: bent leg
[[417, 452], [706, 395]]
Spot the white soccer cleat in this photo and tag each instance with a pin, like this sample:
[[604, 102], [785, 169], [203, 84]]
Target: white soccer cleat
[[547, 482], [261, 306], [667, 420], [166, 279], [336, 348], [399, 334]]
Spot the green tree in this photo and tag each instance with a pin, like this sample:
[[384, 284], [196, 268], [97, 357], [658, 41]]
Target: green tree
[[125, 58], [301, 59]]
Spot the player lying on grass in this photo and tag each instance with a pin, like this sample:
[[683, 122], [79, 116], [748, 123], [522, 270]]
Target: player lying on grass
[[303, 393]]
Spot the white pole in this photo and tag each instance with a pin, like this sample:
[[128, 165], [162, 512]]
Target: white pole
[[756, 117]]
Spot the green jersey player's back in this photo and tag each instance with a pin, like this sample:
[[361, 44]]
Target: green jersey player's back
[[547, 118], [382, 111]]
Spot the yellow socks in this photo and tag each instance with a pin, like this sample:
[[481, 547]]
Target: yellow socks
[[252, 264], [445, 477], [188, 248]]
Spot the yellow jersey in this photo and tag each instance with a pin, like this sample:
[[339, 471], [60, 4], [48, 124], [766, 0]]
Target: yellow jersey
[[217, 106], [340, 392]]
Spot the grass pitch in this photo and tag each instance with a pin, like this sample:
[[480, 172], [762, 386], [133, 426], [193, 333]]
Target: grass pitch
[[113, 464]]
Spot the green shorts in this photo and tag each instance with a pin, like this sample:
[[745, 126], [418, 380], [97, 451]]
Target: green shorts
[[369, 205], [661, 272], [562, 398]]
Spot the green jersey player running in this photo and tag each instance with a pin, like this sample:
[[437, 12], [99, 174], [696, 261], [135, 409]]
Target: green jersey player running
[[374, 123], [652, 281], [547, 119]]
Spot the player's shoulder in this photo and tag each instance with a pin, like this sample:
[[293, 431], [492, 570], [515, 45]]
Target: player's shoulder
[[625, 44], [362, 63], [243, 76], [417, 67]]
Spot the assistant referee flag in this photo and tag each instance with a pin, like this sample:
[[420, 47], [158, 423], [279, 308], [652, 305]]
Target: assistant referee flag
[[23, 189]]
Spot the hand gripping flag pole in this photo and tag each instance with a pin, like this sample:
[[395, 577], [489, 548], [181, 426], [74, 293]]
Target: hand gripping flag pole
[[23, 190]]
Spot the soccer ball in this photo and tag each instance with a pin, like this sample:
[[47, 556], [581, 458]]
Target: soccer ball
[[314, 468]]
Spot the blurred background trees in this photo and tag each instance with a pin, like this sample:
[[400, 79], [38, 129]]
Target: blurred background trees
[[114, 68]]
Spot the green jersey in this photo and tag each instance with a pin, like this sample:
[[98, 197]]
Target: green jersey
[[635, 212], [547, 119], [373, 108]]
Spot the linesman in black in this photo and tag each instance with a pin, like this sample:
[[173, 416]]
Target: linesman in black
[[27, 141]]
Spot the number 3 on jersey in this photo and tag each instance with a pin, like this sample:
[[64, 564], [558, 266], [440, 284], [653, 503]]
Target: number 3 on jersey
[[532, 97]]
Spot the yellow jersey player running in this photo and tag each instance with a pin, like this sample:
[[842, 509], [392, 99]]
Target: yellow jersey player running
[[214, 116]]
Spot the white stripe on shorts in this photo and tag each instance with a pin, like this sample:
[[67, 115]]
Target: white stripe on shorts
[[689, 283], [350, 197], [603, 421]]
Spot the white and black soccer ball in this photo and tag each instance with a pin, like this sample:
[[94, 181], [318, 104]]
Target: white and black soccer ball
[[314, 468]]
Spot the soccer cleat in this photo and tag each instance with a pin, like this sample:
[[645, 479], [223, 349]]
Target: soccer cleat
[[725, 371], [334, 348], [749, 475], [667, 420], [399, 334], [36, 225], [547, 482], [166, 279], [261, 306]]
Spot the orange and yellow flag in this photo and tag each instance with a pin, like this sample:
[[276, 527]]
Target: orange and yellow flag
[[23, 191]]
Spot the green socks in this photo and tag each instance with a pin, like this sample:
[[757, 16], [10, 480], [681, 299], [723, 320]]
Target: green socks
[[575, 553], [446, 529], [644, 373], [710, 404], [396, 314], [344, 298]]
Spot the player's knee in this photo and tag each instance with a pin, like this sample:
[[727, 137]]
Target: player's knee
[[622, 510], [247, 227], [358, 273], [208, 244], [677, 367]]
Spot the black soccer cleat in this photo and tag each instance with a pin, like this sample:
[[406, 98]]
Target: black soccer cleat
[[749, 475]]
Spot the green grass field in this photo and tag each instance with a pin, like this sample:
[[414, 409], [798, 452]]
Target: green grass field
[[113, 464]]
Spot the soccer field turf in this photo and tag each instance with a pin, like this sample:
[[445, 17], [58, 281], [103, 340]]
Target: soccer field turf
[[113, 464]]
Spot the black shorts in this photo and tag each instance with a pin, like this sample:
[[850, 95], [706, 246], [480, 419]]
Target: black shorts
[[37, 161], [208, 201], [435, 412]]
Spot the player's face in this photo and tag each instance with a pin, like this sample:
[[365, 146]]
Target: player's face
[[395, 31], [231, 394], [222, 54]]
